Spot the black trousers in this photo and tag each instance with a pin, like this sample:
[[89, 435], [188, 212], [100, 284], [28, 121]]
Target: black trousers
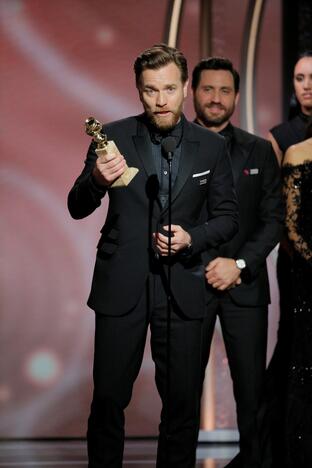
[[118, 354], [244, 331]]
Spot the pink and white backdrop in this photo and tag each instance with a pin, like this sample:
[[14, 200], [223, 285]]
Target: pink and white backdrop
[[62, 61]]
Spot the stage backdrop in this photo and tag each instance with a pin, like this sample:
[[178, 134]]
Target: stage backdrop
[[62, 61]]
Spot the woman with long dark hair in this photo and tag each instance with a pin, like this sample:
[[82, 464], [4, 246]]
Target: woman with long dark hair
[[289, 133], [284, 136]]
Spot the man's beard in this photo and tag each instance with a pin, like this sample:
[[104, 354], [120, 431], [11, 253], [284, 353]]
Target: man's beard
[[209, 121], [163, 125]]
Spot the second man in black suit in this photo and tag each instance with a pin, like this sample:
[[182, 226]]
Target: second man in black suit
[[236, 272]]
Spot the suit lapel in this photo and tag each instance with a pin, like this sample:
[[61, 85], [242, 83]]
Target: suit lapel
[[144, 149], [188, 155], [240, 153]]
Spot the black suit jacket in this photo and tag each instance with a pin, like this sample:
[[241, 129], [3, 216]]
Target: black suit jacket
[[123, 259], [261, 216]]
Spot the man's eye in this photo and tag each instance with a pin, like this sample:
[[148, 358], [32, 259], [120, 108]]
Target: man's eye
[[150, 92]]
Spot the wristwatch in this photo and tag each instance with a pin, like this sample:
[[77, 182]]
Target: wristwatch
[[240, 263]]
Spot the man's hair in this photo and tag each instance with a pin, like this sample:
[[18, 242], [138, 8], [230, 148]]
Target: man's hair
[[157, 57], [215, 63]]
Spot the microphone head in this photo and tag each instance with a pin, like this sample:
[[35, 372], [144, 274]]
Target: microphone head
[[169, 144]]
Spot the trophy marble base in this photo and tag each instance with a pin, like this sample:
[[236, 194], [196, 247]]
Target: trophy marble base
[[129, 173], [126, 177]]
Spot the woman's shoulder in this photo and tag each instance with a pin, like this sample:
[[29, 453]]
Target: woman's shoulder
[[300, 153], [289, 133]]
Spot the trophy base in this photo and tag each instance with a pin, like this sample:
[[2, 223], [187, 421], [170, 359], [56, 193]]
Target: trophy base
[[129, 173], [125, 178]]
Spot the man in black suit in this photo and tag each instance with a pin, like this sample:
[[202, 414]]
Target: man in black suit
[[236, 271], [130, 289]]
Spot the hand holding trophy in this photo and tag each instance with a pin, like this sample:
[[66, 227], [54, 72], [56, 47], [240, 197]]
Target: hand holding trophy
[[93, 128]]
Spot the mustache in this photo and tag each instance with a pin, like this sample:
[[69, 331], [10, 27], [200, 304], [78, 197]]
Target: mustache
[[219, 106]]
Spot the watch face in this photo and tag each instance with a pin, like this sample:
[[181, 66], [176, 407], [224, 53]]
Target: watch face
[[240, 263]]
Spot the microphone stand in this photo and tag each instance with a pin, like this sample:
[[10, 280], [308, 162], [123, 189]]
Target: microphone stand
[[169, 307], [168, 145]]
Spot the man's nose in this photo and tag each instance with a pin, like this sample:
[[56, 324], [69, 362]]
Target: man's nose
[[161, 99], [216, 96]]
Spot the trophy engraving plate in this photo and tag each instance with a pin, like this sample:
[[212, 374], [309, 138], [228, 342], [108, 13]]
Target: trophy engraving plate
[[94, 129]]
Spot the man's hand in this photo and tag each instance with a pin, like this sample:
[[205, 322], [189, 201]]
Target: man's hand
[[222, 273], [180, 240], [108, 168]]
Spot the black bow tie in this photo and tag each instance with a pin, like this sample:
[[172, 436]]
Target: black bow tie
[[157, 138], [176, 132]]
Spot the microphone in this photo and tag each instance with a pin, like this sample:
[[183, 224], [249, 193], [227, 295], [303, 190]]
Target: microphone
[[169, 145]]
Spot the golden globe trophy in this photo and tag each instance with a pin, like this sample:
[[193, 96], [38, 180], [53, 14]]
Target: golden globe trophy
[[94, 129]]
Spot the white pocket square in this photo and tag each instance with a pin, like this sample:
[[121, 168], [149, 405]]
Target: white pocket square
[[199, 174]]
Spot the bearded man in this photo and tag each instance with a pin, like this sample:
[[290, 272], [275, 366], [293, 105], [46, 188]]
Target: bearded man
[[236, 271], [130, 289]]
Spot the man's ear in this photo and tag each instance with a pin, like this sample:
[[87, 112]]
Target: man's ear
[[140, 93], [236, 98], [185, 86]]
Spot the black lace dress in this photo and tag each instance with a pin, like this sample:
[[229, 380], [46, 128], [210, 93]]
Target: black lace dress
[[286, 135], [298, 424]]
